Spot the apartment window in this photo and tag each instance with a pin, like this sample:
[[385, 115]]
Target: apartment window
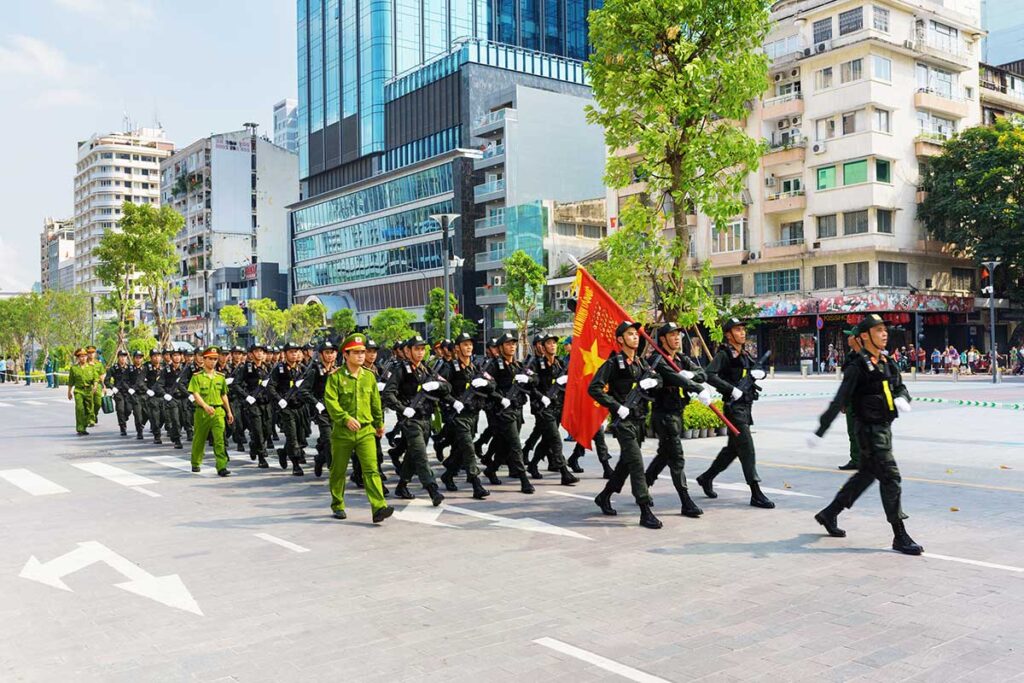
[[883, 220], [791, 185], [963, 279], [880, 15], [826, 178], [938, 81], [855, 172], [733, 238], [823, 78], [849, 123], [855, 222], [730, 284], [944, 37], [892, 274], [883, 123], [851, 21], [823, 30], [852, 70], [883, 171], [882, 68], [792, 232], [777, 281], [827, 226], [825, 129], [935, 126], [825, 277], [855, 274]]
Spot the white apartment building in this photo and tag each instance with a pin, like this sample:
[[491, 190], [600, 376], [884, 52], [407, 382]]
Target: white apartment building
[[232, 190], [286, 124], [56, 253], [112, 169]]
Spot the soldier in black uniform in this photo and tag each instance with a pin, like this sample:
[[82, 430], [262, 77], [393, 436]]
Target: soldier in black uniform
[[531, 361], [873, 387], [732, 366], [284, 394], [514, 383], [412, 392], [394, 437], [490, 351], [619, 385], [667, 413], [135, 394], [314, 381], [117, 380], [548, 401], [250, 381], [172, 413], [471, 389], [153, 391], [852, 354], [235, 399]]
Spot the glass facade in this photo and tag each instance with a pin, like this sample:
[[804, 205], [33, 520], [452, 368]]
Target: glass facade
[[379, 264], [525, 226]]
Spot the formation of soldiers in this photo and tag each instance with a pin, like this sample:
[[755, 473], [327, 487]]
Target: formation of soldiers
[[270, 399]]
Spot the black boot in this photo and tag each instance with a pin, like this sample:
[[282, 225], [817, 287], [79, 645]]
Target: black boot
[[604, 501], [479, 492], [902, 542], [492, 477], [689, 508], [380, 514], [253, 455], [647, 518], [263, 464], [124, 430], [297, 470], [574, 464], [524, 484], [177, 444], [851, 465], [318, 465], [139, 436], [706, 482], [240, 447], [402, 490], [448, 479], [282, 458], [567, 477], [436, 497], [829, 518], [758, 499], [607, 474], [534, 472]]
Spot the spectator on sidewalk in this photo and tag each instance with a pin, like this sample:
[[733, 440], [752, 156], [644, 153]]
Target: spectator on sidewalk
[[921, 357], [936, 361]]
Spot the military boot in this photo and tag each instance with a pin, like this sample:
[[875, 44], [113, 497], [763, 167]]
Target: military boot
[[532, 467], [758, 499], [567, 477], [604, 501], [448, 479], [124, 430], [689, 508], [829, 518], [402, 490], [524, 484], [574, 464], [706, 482], [479, 492], [647, 518], [608, 470], [263, 464], [492, 476], [318, 465], [902, 542], [436, 497], [297, 470]]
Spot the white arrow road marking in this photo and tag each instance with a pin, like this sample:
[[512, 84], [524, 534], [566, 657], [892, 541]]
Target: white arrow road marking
[[30, 482], [421, 512], [589, 657], [571, 495], [424, 512], [283, 543], [739, 486], [178, 464], [167, 590]]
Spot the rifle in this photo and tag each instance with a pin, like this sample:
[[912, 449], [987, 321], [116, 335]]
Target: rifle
[[637, 394], [423, 396], [748, 385], [517, 390], [471, 394]]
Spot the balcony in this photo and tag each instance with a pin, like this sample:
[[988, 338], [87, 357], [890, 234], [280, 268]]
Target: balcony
[[780, 202], [488, 192], [783, 105], [494, 155], [729, 258], [794, 246], [490, 225], [490, 260], [997, 93], [793, 149], [929, 143], [490, 294], [492, 122], [952, 53], [949, 104]]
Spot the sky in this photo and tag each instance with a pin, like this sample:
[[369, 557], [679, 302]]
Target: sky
[[72, 68]]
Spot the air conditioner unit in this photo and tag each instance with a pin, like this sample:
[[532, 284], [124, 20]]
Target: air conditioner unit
[[795, 72], [795, 120], [818, 148], [778, 77], [816, 245], [909, 44], [753, 256], [807, 52], [498, 281], [783, 124], [770, 180], [821, 47]]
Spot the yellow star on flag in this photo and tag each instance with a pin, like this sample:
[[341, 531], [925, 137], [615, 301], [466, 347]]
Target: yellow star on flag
[[591, 360]]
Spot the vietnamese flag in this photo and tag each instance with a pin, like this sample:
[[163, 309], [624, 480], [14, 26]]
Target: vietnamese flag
[[593, 340]]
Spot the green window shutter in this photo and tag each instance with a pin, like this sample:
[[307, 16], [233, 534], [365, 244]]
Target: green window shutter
[[826, 177], [855, 172]]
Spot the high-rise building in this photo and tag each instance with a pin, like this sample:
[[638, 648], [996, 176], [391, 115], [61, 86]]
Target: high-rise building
[[860, 97], [56, 252], [1004, 21], [112, 169], [286, 125], [233, 190]]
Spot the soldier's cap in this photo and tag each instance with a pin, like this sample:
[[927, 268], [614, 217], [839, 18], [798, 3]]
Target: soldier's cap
[[870, 321], [137, 354], [197, 351], [80, 352], [167, 352], [90, 348], [155, 352], [415, 340], [538, 338], [505, 338], [327, 345], [257, 345], [289, 346], [122, 352], [492, 342], [237, 349], [463, 337], [178, 351], [668, 328], [211, 352], [625, 325], [549, 335], [354, 342], [448, 344], [371, 345], [307, 347], [400, 344], [731, 323]]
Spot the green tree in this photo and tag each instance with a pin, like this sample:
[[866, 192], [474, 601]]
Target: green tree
[[268, 321], [975, 198], [59, 318], [548, 318], [670, 78], [391, 325], [119, 256], [433, 316], [303, 320], [158, 260], [524, 287], [141, 338], [15, 328], [343, 322], [232, 317]]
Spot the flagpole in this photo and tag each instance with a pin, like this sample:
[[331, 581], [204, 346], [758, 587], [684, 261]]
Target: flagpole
[[729, 425]]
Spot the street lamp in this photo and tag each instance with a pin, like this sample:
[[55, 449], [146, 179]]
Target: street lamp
[[991, 266], [445, 220]]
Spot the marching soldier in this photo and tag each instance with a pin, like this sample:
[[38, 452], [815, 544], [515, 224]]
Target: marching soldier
[[81, 390], [250, 383], [872, 385], [851, 432], [733, 366], [532, 361], [118, 380], [98, 370], [135, 396], [186, 405], [285, 394], [412, 392], [667, 413], [172, 409], [238, 428], [513, 386], [549, 397], [490, 351], [151, 380], [313, 383], [209, 390], [471, 388], [619, 385]]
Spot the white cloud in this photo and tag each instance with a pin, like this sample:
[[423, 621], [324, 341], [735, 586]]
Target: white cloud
[[63, 97], [16, 275], [139, 10], [28, 56], [43, 75]]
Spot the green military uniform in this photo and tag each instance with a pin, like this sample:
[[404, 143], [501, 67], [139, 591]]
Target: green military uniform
[[212, 390], [354, 396], [82, 381]]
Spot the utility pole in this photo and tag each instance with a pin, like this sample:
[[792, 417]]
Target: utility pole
[[991, 266], [445, 220]]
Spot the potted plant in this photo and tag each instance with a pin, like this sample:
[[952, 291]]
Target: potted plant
[[690, 419], [720, 427]]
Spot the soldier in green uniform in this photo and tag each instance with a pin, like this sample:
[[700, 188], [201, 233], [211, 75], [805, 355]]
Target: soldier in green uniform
[[210, 390], [81, 389], [353, 403]]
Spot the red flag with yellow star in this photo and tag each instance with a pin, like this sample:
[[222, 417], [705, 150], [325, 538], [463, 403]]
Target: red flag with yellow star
[[593, 340]]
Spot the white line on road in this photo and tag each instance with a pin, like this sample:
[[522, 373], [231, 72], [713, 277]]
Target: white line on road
[[34, 403], [30, 482], [178, 464], [6, 405], [283, 543], [614, 667], [571, 495], [767, 489], [977, 563], [151, 494], [114, 474]]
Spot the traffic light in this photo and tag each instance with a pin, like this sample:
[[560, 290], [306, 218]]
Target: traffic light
[[986, 281]]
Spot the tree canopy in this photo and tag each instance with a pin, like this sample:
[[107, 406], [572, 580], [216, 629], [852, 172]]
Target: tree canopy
[[524, 287], [391, 325]]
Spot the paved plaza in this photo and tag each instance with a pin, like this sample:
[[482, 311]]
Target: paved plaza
[[118, 564]]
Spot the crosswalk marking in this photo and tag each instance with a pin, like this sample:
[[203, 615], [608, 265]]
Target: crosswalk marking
[[295, 547], [178, 464], [6, 405], [114, 474], [32, 483], [597, 660], [34, 403]]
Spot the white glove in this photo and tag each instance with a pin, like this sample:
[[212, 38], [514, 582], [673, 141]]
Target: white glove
[[229, 380], [505, 403], [250, 400], [265, 382], [191, 398], [149, 392], [522, 379], [545, 400], [814, 441], [283, 403], [563, 380], [757, 373], [623, 412], [113, 390], [459, 406], [686, 374], [319, 407], [131, 391], [705, 396], [479, 382], [380, 386], [648, 383], [431, 386], [736, 394], [299, 383], [168, 397], [902, 404], [409, 412]]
